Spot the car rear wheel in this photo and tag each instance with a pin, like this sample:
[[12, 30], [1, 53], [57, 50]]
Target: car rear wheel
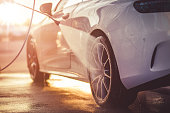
[[33, 65], [106, 86]]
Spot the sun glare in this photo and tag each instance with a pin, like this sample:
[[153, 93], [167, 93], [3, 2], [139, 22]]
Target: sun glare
[[67, 83], [11, 13]]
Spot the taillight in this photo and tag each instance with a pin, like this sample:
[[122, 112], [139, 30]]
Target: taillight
[[152, 6]]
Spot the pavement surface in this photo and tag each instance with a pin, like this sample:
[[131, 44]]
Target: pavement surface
[[18, 94]]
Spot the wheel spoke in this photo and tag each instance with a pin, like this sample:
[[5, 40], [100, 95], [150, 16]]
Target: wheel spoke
[[106, 62], [97, 88], [95, 60], [100, 53], [107, 76], [97, 77], [101, 89], [105, 85]]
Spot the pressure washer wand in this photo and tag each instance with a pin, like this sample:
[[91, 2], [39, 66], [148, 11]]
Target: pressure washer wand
[[57, 22]]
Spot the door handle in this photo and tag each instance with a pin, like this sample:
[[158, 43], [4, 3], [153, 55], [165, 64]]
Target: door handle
[[66, 16]]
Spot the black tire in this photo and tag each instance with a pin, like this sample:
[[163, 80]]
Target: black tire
[[106, 86], [33, 65]]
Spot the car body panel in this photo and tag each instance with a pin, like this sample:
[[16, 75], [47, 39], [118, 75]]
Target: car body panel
[[48, 45], [134, 38]]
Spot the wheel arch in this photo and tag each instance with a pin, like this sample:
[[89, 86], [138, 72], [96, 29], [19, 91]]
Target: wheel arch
[[99, 32], [117, 79]]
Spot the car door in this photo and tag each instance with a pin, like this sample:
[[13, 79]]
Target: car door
[[56, 52], [76, 37], [53, 51]]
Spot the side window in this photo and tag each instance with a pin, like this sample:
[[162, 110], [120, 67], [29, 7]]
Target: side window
[[72, 2], [66, 3]]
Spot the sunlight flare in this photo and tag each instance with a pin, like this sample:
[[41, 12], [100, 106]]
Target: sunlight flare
[[11, 13]]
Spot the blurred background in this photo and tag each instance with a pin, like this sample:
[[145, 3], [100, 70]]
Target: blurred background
[[14, 23]]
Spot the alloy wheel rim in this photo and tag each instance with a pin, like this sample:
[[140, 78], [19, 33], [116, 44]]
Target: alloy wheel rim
[[32, 64], [101, 72]]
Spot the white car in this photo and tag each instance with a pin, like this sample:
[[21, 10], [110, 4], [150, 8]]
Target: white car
[[120, 46]]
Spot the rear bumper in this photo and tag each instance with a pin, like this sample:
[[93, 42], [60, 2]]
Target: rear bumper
[[161, 57]]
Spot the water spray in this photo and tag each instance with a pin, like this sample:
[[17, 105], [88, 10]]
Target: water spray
[[81, 50]]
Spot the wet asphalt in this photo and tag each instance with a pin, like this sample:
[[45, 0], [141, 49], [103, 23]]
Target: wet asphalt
[[18, 94]]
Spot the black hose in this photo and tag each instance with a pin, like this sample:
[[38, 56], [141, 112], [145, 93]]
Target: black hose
[[26, 38]]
